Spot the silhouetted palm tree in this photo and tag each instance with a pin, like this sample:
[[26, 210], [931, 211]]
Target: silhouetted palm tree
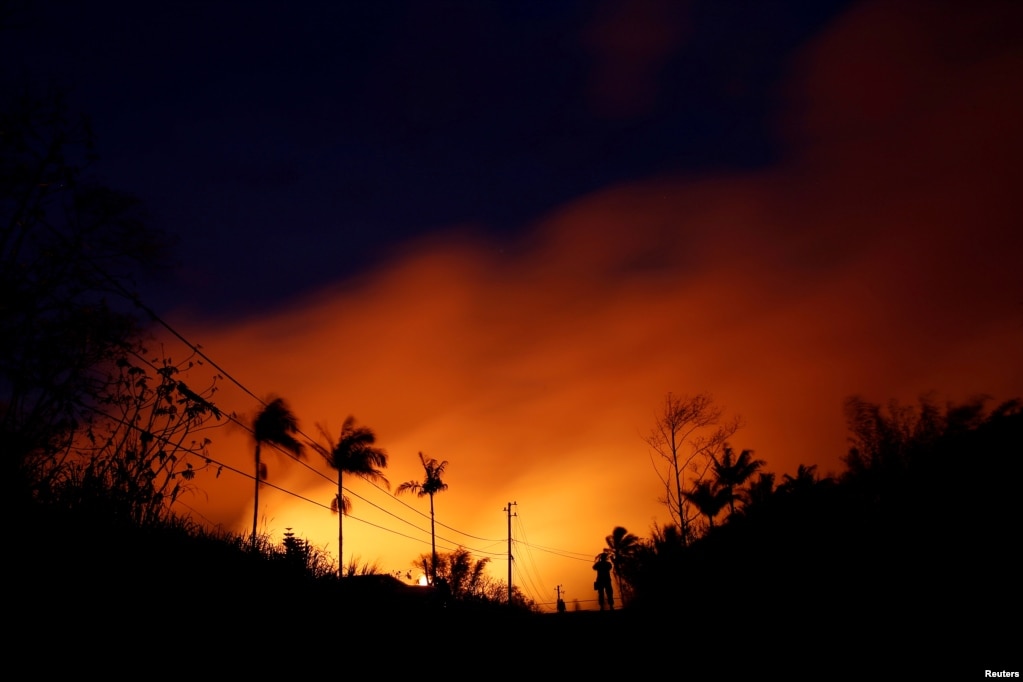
[[708, 498], [624, 548], [274, 425], [759, 492], [805, 479], [430, 485], [354, 452], [731, 472]]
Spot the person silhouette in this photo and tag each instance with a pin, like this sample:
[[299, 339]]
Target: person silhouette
[[603, 582]]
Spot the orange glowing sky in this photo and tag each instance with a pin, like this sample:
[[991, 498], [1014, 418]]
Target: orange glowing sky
[[880, 257]]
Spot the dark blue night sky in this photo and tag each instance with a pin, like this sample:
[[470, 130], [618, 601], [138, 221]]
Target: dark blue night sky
[[292, 145]]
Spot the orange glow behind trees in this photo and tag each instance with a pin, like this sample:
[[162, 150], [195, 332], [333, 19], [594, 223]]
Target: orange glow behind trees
[[880, 258]]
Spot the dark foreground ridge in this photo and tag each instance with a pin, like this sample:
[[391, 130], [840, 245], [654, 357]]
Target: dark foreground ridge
[[905, 567], [215, 619]]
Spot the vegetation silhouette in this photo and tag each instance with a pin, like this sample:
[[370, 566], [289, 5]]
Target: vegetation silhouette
[[275, 424], [906, 554], [686, 435], [354, 452], [731, 472], [623, 551], [71, 253], [431, 484], [463, 583], [144, 442], [886, 548], [708, 499]]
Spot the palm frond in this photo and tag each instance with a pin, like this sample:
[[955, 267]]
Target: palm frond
[[275, 424], [345, 507], [410, 487]]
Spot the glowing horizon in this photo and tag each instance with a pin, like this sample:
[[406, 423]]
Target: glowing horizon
[[880, 257]]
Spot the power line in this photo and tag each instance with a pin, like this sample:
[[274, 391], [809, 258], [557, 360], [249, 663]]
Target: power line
[[533, 576], [246, 427], [565, 554], [224, 466], [195, 348], [424, 515]]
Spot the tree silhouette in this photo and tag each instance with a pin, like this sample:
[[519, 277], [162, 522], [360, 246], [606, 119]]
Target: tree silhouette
[[465, 576], [146, 450], [805, 479], [71, 252], [760, 490], [665, 539], [354, 452], [708, 498], [685, 436], [625, 548], [892, 514], [731, 473], [274, 425], [430, 485]]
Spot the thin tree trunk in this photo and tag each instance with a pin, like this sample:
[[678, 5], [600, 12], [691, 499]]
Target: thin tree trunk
[[683, 523], [433, 545], [341, 535], [255, 502]]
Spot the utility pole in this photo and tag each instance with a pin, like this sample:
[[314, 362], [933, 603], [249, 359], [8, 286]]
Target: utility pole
[[508, 509], [561, 602]]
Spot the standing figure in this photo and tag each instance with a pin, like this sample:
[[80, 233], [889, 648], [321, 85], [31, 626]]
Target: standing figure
[[603, 582]]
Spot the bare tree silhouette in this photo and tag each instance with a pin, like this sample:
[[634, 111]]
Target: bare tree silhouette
[[686, 434]]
